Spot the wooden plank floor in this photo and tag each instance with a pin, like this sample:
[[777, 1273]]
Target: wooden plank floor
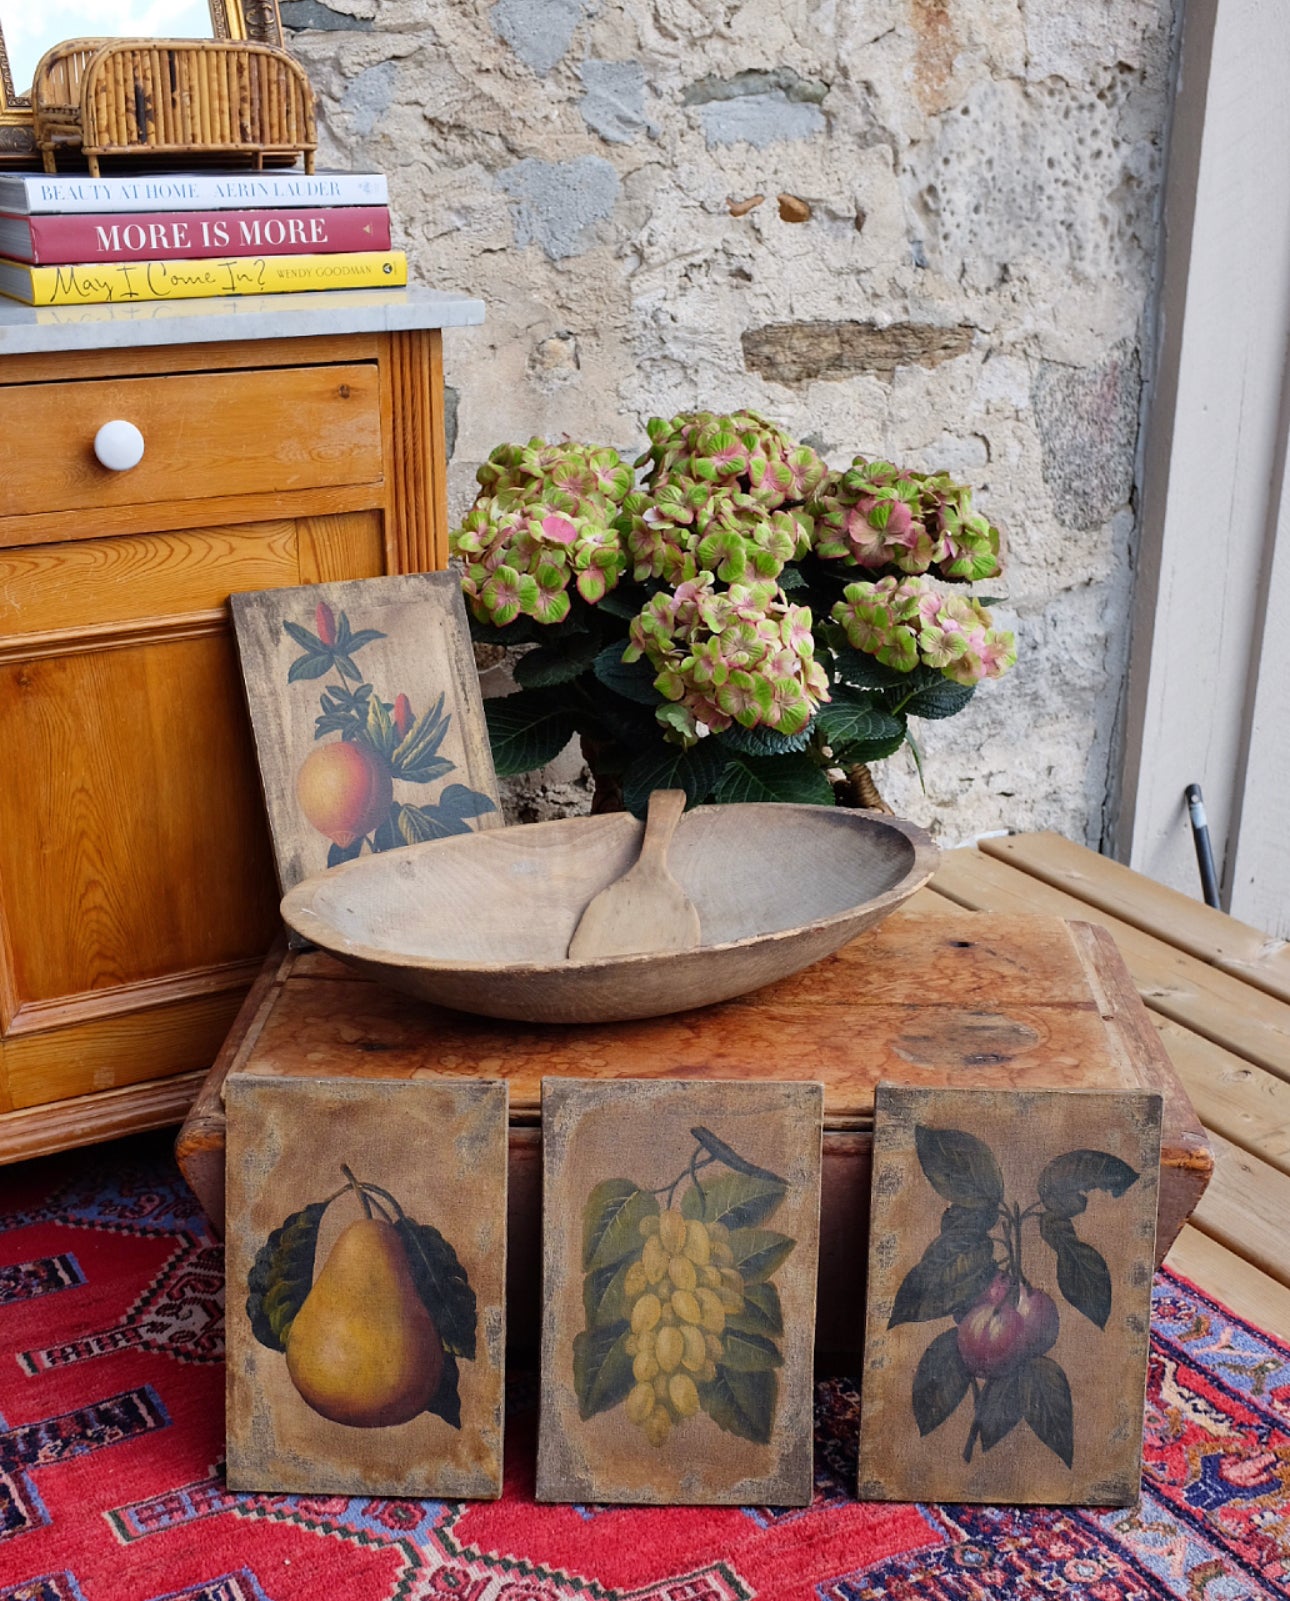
[[1219, 992]]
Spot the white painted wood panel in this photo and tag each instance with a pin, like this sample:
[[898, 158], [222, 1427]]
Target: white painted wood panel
[[1214, 448], [1259, 852]]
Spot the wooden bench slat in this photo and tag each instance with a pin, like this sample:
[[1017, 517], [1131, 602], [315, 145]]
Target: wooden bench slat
[[1203, 931], [1231, 1096], [927, 903], [1245, 1208], [1212, 1003], [1231, 1279], [1239, 1245]]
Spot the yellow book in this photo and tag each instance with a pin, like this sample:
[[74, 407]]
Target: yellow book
[[126, 282]]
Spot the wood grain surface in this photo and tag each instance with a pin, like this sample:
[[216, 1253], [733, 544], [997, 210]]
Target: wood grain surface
[[204, 434], [117, 580], [646, 909], [1201, 996], [1177, 919], [75, 1057], [133, 852], [905, 997], [337, 546], [99, 1116], [1231, 1278], [327, 500], [1248, 1108], [143, 850], [336, 1026], [1248, 1215], [412, 400], [224, 355]]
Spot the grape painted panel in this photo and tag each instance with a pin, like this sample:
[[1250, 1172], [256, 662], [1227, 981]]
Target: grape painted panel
[[681, 1225]]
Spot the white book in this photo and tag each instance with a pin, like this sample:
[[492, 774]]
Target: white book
[[31, 193]]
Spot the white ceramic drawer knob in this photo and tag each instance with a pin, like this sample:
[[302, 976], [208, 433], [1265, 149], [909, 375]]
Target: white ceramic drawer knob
[[119, 445]]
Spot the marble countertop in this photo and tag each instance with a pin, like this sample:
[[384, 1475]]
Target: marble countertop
[[44, 329]]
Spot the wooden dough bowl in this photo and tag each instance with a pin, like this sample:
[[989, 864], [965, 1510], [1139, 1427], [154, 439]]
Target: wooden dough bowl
[[482, 922]]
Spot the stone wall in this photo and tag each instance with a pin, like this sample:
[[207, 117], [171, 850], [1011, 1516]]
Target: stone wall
[[917, 228]]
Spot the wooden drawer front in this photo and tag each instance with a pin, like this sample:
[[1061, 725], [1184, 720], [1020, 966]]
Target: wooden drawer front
[[95, 583], [205, 435]]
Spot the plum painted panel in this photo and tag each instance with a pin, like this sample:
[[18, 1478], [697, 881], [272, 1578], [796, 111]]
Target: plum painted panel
[[1011, 1253]]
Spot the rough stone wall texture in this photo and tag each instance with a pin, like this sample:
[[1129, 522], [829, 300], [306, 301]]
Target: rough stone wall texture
[[951, 266]]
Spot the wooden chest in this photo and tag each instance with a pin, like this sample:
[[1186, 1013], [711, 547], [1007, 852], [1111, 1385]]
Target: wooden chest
[[946, 999]]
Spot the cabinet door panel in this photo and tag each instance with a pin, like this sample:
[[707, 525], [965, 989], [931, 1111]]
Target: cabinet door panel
[[332, 549], [134, 845]]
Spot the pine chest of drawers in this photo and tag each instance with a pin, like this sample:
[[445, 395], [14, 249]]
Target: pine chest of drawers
[[287, 440]]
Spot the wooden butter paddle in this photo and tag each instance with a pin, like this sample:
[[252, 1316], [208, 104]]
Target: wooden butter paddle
[[646, 909]]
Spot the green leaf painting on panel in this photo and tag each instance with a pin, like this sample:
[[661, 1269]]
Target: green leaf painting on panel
[[995, 1354]]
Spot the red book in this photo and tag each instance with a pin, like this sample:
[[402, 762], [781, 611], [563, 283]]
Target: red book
[[60, 238]]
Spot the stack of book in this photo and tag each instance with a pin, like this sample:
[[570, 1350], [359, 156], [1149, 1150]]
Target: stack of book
[[181, 236]]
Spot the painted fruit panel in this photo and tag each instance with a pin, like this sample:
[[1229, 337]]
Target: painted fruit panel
[[366, 1273]]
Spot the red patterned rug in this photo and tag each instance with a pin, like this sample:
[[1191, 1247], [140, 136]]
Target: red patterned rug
[[111, 1422]]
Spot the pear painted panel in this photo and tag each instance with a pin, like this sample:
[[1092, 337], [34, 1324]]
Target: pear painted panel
[[1012, 1247], [681, 1228], [366, 1286]]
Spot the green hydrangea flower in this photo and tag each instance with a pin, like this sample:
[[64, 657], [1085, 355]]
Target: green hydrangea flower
[[547, 516], [905, 622], [877, 515], [741, 655]]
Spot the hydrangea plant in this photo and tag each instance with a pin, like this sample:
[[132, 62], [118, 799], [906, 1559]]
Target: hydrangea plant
[[728, 616]]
